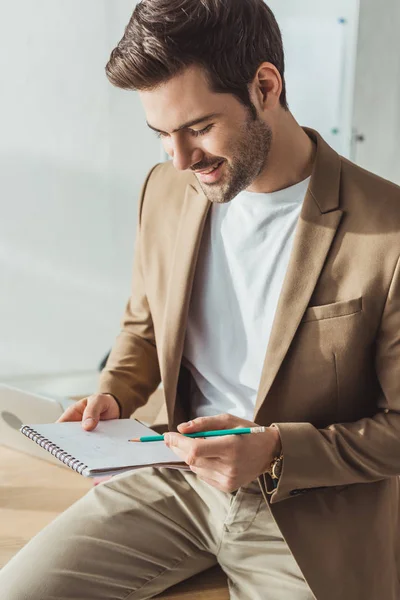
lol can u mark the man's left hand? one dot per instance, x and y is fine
(225, 462)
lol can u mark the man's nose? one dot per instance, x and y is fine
(183, 155)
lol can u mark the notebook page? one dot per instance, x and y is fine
(107, 447)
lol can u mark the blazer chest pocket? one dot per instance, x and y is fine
(332, 311)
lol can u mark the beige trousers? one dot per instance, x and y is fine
(137, 534)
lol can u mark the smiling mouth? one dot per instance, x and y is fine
(211, 169)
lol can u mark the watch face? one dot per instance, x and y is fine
(277, 468)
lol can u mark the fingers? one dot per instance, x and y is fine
(90, 410)
(222, 483)
(73, 412)
(190, 450)
(94, 408)
(223, 421)
(213, 482)
(212, 470)
(214, 460)
(207, 423)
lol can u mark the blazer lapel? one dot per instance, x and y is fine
(317, 226)
(190, 229)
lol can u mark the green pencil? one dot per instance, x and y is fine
(204, 434)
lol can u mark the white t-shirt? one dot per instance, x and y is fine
(242, 263)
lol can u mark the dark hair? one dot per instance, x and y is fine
(228, 38)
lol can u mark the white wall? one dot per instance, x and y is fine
(73, 154)
(366, 95)
(320, 42)
(377, 98)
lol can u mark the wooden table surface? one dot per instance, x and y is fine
(33, 492)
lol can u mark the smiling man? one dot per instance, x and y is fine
(266, 291)
(226, 143)
(227, 148)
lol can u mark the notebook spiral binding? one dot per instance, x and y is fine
(55, 450)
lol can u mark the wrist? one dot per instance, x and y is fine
(275, 467)
(277, 444)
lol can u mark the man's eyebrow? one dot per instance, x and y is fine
(189, 123)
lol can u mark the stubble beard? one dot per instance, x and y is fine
(249, 159)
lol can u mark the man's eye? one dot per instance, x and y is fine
(161, 134)
(201, 131)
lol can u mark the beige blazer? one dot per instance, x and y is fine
(331, 376)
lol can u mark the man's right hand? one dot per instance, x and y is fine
(91, 410)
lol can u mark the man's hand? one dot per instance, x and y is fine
(91, 410)
(225, 462)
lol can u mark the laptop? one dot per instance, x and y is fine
(19, 407)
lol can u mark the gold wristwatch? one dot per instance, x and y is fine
(275, 470)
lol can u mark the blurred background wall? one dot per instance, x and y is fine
(376, 117)
(74, 152)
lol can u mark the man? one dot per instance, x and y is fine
(266, 290)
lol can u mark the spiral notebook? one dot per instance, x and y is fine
(105, 450)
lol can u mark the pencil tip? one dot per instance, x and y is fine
(134, 440)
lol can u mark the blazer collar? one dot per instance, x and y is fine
(317, 226)
(325, 177)
(188, 238)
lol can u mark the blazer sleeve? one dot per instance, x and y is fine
(347, 453)
(132, 371)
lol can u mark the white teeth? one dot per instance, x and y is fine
(211, 170)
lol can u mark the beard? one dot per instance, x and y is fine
(249, 158)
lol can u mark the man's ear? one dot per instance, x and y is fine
(267, 87)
